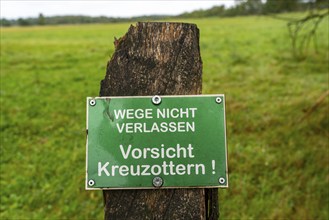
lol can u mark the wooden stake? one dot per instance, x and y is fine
(156, 59)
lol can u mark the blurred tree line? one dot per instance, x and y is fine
(242, 7)
(55, 20)
(259, 7)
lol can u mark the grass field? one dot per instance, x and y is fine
(278, 165)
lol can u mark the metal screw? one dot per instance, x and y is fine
(156, 100)
(91, 182)
(221, 180)
(92, 102)
(157, 181)
(218, 100)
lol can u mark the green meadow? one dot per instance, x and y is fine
(278, 154)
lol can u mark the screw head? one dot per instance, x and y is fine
(221, 180)
(91, 182)
(157, 181)
(156, 100)
(218, 100)
(92, 102)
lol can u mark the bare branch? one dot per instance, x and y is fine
(295, 27)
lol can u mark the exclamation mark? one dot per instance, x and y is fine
(213, 166)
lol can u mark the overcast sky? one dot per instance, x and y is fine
(24, 8)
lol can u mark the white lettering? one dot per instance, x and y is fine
(145, 171)
(103, 168)
(120, 128)
(165, 168)
(119, 114)
(124, 153)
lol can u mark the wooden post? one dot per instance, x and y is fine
(157, 59)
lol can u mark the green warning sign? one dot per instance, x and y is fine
(156, 142)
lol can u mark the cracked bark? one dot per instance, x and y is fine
(155, 59)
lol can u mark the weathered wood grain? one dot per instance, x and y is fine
(156, 59)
